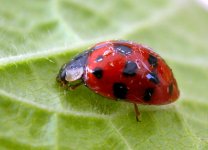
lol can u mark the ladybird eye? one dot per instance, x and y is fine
(62, 75)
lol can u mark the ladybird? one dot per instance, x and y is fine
(122, 70)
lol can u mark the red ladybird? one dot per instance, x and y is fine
(122, 70)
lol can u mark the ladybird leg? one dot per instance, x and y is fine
(73, 87)
(137, 113)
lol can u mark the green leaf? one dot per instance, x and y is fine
(37, 37)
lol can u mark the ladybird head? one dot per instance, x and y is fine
(72, 73)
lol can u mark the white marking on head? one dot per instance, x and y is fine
(74, 74)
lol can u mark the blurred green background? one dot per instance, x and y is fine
(38, 36)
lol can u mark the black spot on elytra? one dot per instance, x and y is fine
(130, 69)
(153, 77)
(120, 90)
(99, 58)
(152, 60)
(170, 88)
(98, 73)
(123, 49)
(148, 94)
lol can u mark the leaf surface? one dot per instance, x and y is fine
(37, 37)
